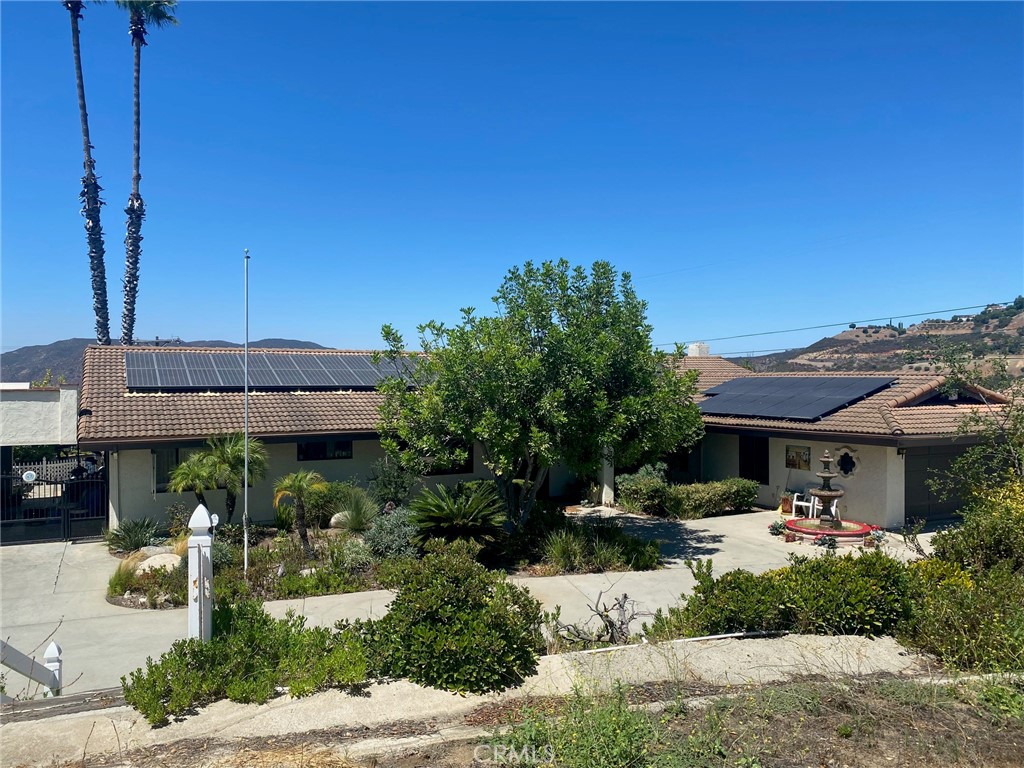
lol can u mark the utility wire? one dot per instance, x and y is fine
(848, 322)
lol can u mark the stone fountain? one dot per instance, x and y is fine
(827, 494)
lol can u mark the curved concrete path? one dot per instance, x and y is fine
(59, 590)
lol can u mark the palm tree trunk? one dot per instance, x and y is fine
(136, 209)
(90, 195)
(229, 504)
(300, 526)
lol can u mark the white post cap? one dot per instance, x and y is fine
(200, 521)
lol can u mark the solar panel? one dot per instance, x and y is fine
(184, 370)
(801, 398)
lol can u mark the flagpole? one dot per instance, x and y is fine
(245, 431)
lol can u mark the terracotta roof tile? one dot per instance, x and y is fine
(112, 414)
(712, 369)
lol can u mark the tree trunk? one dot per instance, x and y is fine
(90, 195)
(201, 498)
(136, 209)
(229, 504)
(300, 526)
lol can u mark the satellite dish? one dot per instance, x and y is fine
(29, 476)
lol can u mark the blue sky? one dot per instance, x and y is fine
(754, 166)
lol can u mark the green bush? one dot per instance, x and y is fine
(250, 655)
(586, 733)
(390, 483)
(322, 502)
(643, 491)
(476, 515)
(849, 595)
(992, 531)
(132, 535)
(392, 534)
(284, 517)
(971, 621)
(453, 624)
(222, 555)
(178, 516)
(700, 500)
(356, 508)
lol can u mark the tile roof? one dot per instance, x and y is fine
(890, 413)
(113, 414)
(713, 370)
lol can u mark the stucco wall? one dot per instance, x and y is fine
(38, 416)
(132, 495)
(874, 491)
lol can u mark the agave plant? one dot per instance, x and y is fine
(476, 516)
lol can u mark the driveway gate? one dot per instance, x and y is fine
(52, 510)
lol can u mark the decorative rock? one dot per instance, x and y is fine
(151, 551)
(338, 520)
(167, 560)
(307, 571)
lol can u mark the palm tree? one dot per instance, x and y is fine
(221, 465)
(141, 13)
(193, 474)
(298, 485)
(227, 464)
(90, 195)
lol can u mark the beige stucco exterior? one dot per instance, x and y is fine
(38, 416)
(133, 491)
(874, 490)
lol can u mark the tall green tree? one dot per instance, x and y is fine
(221, 465)
(90, 194)
(299, 485)
(142, 15)
(563, 371)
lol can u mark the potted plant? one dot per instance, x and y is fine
(875, 538)
(777, 528)
(786, 505)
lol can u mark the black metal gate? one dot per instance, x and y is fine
(52, 510)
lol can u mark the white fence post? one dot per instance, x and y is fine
(200, 574)
(52, 661)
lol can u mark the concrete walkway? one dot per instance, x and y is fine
(59, 590)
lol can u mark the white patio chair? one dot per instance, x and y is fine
(816, 508)
(802, 505)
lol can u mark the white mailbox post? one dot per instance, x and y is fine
(200, 574)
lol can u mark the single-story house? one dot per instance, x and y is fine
(149, 407)
(887, 433)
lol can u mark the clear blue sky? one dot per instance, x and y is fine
(754, 166)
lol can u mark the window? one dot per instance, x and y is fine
(324, 450)
(754, 459)
(165, 461)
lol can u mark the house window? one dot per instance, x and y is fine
(324, 450)
(165, 461)
(846, 463)
(754, 459)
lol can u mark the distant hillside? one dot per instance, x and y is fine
(64, 358)
(999, 330)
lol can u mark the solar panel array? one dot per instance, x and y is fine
(225, 370)
(801, 398)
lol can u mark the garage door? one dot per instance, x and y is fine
(922, 465)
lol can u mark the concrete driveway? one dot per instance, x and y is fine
(59, 590)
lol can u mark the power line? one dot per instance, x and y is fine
(848, 322)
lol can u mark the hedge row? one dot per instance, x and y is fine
(647, 491)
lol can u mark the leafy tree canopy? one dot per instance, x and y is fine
(563, 371)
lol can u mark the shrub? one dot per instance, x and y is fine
(390, 483)
(972, 621)
(356, 509)
(587, 548)
(992, 531)
(222, 555)
(321, 503)
(643, 491)
(250, 654)
(178, 516)
(392, 534)
(453, 624)
(132, 535)
(347, 555)
(284, 517)
(742, 493)
(566, 550)
(476, 515)
(699, 500)
(848, 595)
(587, 733)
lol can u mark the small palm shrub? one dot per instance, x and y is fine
(644, 491)
(476, 515)
(392, 534)
(356, 510)
(453, 624)
(131, 535)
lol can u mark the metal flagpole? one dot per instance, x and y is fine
(245, 431)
